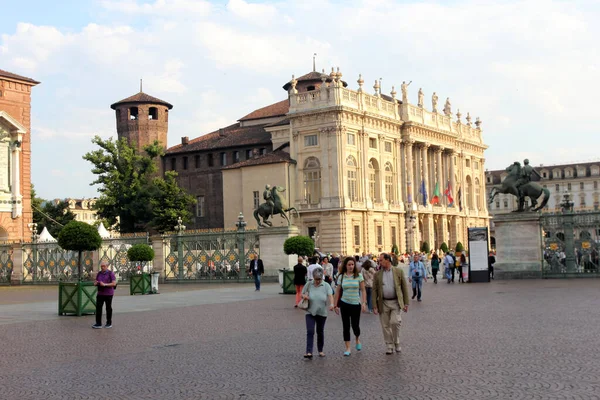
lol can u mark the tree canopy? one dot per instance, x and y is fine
(132, 197)
(140, 252)
(300, 245)
(50, 214)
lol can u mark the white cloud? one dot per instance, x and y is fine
(260, 14)
(158, 7)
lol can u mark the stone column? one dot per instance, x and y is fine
(438, 171)
(300, 177)
(18, 258)
(363, 164)
(398, 181)
(382, 193)
(158, 264)
(408, 149)
(425, 170)
(444, 229)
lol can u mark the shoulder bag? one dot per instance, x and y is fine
(305, 302)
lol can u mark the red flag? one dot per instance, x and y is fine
(448, 194)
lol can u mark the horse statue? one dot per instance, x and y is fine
(533, 190)
(275, 204)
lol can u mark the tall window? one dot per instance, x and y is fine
(223, 159)
(352, 178)
(263, 151)
(248, 154)
(351, 140)
(185, 163)
(356, 235)
(389, 183)
(236, 156)
(388, 147)
(133, 113)
(467, 163)
(557, 187)
(200, 212)
(582, 200)
(374, 180)
(173, 164)
(196, 161)
(373, 143)
(153, 113)
(581, 185)
(568, 186)
(211, 162)
(469, 193)
(379, 235)
(393, 235)
(477, 194)
(311, 140)
(312, 180)
(256, 196)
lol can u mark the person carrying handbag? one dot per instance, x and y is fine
(317, 293)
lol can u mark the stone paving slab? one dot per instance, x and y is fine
(504, 340)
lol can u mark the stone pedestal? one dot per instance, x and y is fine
(518, 245)
(271, 248)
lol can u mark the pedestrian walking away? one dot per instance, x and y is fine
(318, 293)
(368, 272)
(435, 266)
(449, 266)
(350, 301)
(390, 296)
(462, 263)
(256, 269)
(491, 262)
(299, 279)
(106, 282)
(417, 274)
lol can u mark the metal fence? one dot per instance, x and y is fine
(114, 252)
(6, 263)
(49, 263)
(579, 231)
(218, 256)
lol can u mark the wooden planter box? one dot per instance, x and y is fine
(77, 298)
(140, 284)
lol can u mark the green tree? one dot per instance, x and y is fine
(459, 247)
(425, 247)
(132, 197)
(169, 202)
(444, 247)
(140, 252)
(80, 237)
(300, 245)
(50, 214)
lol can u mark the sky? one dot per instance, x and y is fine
(528, 69)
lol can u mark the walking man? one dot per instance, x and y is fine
(256, 269)
(417, 273)
(106, 282)
(491, 262)
(390, 296)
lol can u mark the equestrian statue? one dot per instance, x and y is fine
(274, 204)
(519, 183)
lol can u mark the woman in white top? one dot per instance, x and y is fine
(327, 270)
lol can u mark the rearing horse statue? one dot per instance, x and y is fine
(533, 190)
(275, 205)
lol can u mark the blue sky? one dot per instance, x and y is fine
(528, 69)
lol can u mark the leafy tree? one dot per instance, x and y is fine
(80, 237)
(425, 247)
(140, 252)
(169, 202)
(300, 245)
(459, 247)
(444, 247)
(50, 214)
(132, 197)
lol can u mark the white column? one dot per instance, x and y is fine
(398, 181)
(425, 171)
(16, 180)
(408, 156)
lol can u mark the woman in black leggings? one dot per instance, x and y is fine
(350, 300)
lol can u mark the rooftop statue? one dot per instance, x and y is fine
(519, 184)
(434, 101)
(421, 97)
(448, 107)
(275, 204)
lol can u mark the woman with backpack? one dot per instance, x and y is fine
(460, 263)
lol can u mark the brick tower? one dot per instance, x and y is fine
(142, 119)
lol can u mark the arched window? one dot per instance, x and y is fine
(389, 183)
(153, 113)
(477, 194)
(469, 193)
(352, 178)
(374, 180)
(312, 180)
(133, 113)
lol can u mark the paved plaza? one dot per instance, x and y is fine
(504, 340)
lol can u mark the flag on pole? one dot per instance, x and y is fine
(448, 194)
(436, 194)
(459, 199)
(423, 192)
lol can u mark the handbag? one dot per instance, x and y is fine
(305, 302)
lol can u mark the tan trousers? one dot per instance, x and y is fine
(391, 319)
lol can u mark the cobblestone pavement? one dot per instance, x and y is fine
(504, 340)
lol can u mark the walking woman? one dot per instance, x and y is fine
(318, 294)
(350, 301)
(368, 272)
(299, 279)
(435, 266)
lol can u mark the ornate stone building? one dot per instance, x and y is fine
(15, 156)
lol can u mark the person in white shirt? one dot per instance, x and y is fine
(328, 270)
(313, 265)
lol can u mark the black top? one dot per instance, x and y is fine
(300, 272)
(491, 261)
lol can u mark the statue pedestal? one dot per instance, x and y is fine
(518, 245)
(271, 248)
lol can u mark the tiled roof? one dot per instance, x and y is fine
(281, 122)
(10, 75)
(231, 136)
(311, 76)
(141, 97)
(275, 157)
(274, 110)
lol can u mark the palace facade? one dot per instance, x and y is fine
(15, 156)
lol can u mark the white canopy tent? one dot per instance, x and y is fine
(45, 236)
(104, 234)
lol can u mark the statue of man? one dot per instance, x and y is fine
(434, 101)
(268, 196)
(421, 97)
(525, 175)
(448, 107)
(404, 88)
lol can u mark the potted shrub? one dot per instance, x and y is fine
(425, 248)
(395, 249)
(78, 297)
(302, 246)
(139, 281)
(444, 248)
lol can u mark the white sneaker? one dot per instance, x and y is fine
(398, 349)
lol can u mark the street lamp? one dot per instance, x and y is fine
(568, 223)
(241, 224)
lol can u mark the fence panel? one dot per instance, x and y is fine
(210, 255)
(114, 252)
(49, 263)
(6, 263)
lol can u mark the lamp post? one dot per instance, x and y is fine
(568, 223)
(241, 236)
(180, 228)
(34, 238)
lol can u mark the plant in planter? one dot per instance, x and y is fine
(139, 282)
(78, 297)
(425, 247)
(302, 246)
(444, 248)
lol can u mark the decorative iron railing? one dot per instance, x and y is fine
(48, 262)
(114, 252)
(6, 263)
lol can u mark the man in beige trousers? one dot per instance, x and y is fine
(391, 297)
